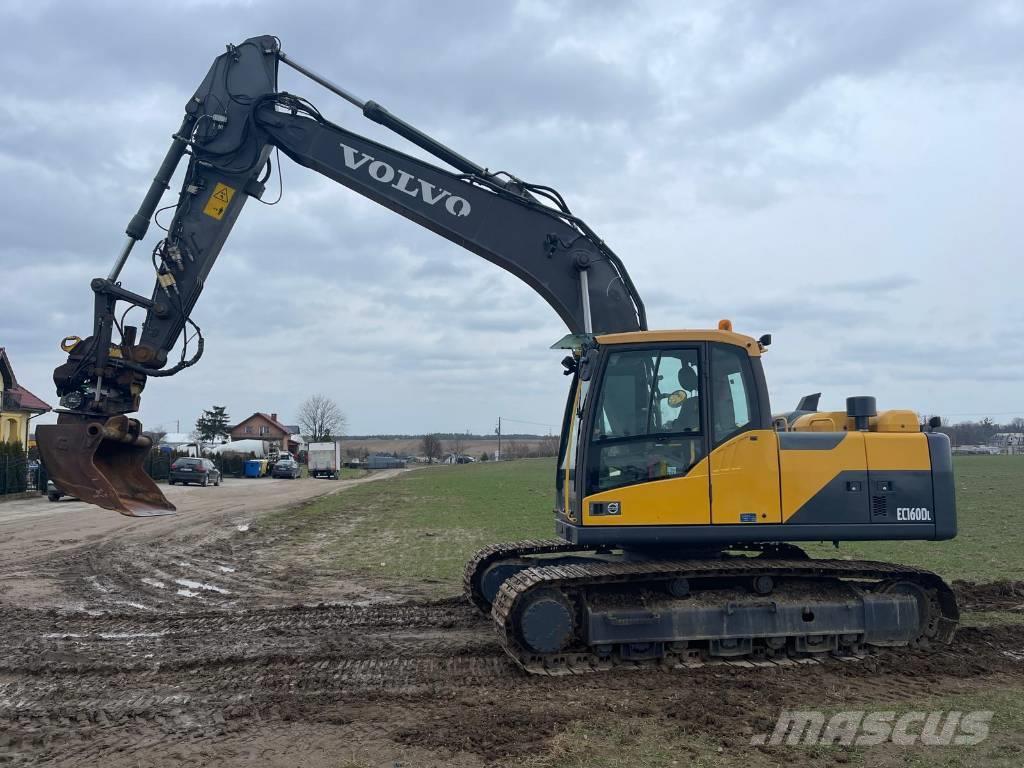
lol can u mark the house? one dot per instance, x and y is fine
(1009, 442)
(17, 405)
(179, 442)
(261, 426)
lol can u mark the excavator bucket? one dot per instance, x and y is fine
(101, 463)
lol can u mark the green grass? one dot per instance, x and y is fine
(664, 743)
(423, 525)
(990, 514)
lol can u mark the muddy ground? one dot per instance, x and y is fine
(196, 645)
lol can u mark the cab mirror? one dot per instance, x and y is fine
(588, 364)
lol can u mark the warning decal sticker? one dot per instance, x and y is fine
(218, 202)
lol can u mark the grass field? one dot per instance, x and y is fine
(423, 525)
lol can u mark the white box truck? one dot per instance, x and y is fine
(324, 459)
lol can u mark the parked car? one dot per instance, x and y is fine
(199, 471)
(286, 468)
(53, 493)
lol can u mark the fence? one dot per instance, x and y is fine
(19, 475)
(158, 464)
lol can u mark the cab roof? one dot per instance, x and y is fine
(645, 337)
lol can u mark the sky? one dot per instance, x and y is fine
(844, 176)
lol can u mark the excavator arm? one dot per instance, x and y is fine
(231, 128)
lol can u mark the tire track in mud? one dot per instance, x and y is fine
(427, 675)
(310, 650)
(41, 645)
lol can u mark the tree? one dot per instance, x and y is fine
(320, 419)
(431, 447)
(457, 445)
(548, 446)
(485, 456)
(212, 424)
(156, 435)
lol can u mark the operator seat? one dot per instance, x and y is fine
(688, 419)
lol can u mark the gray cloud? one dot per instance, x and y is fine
(842, 175)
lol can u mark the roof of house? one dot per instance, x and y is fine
(26, 400)
(6, 371)
(274, 422)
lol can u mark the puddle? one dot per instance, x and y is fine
(189, 584)
(243, 527)
(153, 582)
(188, 593)
(131, 604)
(225, 569)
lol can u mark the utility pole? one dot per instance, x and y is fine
(498, 430)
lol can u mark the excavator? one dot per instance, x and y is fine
(679, 499)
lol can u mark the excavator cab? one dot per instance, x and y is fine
(647, 422)
(101, 463)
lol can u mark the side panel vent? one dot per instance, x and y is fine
(879, 506)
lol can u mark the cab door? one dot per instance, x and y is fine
(646, 439)
(744, 457)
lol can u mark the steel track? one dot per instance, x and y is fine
(939, 626)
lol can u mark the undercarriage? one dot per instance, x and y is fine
(559, 609)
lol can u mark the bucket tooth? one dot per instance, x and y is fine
(101, 463)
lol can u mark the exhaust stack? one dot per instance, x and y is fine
(101, 463)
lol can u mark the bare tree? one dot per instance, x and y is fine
(514, 449)
(548, 446)
(156, 435)
(457, 445)
(431, 447)
(320, 419)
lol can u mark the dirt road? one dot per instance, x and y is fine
(29, 526)
(57, 553)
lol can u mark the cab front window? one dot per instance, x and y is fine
(648, 422)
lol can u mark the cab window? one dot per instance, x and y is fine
(647, 424)
(732, 404)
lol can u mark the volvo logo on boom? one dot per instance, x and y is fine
(405, 182)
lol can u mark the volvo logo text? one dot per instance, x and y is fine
(405, 182)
